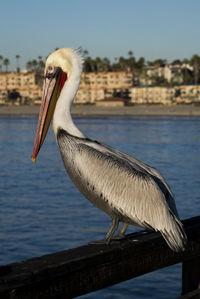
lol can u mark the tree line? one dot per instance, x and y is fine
(129, 63)
(138, 67)
(36, 65)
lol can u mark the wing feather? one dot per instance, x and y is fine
(133, 191)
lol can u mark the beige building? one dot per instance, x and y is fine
(97, 86)
(107, 80)
(165, 95)
(93, 87)
(141, 95)
(24, 83)
(189, 93)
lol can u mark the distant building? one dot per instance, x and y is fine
(144, 95)
(23, 83)
(97, 86)
(168, 72)
(165, 95)
(105, 88)
(189, 93)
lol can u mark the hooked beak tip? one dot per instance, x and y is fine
(33, 159)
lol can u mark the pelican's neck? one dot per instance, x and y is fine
(62, 114)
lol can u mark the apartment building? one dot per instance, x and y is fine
(165, 95)
(189, 93)
(93, 87)
(23, 83)
(97, 86)
(143, 95)
(171, 73)
(85, 95)
(108, 79)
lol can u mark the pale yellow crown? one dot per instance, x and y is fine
(62, 59)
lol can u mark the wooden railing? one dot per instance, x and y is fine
(91, 267)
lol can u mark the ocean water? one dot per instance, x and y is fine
(42, 212)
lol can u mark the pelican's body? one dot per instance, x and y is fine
(123, 187)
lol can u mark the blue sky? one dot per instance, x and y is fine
(150, 28)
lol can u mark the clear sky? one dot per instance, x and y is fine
(167, 29)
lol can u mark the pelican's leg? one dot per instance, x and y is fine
(113, 228)
(122, 230)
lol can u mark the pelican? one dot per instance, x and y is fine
(128, 190)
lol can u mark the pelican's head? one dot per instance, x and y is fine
(58, 69)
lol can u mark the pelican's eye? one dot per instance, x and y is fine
(50, 68)
(51, 72)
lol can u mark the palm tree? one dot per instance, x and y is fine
(106, 64)
(88, 65)
(29, 65)
(130, 53)
(41, 65)
(195, 62)
(141, 63)
(186, 77)
(1, 58)
(131, 61)
(6, 62)
(98, 64)
(122, 63)
(17, 59)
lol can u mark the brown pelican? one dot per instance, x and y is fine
(128, 190)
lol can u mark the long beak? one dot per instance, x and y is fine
(50, 94)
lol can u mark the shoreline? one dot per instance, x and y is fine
(137, 110)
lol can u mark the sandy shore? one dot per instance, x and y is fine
(176, 110)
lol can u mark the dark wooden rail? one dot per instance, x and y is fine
(75, 272)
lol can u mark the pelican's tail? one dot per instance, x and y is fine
(175, 237)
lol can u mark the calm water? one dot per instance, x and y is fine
(42, 212)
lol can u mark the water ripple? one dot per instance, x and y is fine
(42, 212)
